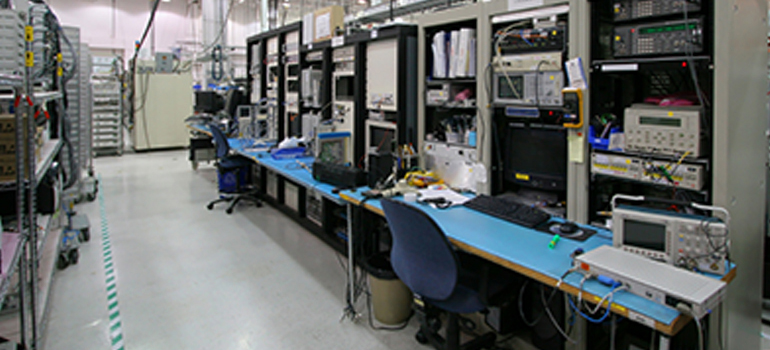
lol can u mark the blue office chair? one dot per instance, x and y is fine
(228, 163)
(426, 262)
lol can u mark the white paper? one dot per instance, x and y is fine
(523, 4)
(454, 41)
(617, 141)
(307, 28)
(472, 54)
(463, 52)
(576, 148)
(449, 195)
(338, 41)
(322, 28)
(480, 173)
(439, 55)
(641, 319)
(576, 74)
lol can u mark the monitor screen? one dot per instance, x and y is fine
(344, 88)
(332, 151)
(382, 140)
(293, 70)
(244, 111)
(536, 156)
(293, 86)
(208, 102)
(510, 89)
(644, 235)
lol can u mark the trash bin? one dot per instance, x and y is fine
(391, 299)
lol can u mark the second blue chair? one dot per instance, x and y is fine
(228, 163)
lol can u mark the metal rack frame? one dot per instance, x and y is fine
(107, 118)
(26, 257)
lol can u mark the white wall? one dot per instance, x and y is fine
(104, 26)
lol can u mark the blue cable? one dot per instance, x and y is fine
(589, 318)
(521, 34)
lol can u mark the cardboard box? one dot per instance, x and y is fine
(8, 126)
(7, 146)
(8, 134)
(8, 167)
(326, 21)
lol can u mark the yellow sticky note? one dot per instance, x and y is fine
(577, 145)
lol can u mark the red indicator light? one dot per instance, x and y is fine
(684, 64)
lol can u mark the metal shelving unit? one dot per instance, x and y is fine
(107, 107)
(21, 260)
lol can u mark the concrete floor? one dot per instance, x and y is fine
(189, 278)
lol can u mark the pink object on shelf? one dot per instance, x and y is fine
(676, 102)
(463, 95)
(680, 99)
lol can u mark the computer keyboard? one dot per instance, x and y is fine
(507, 210)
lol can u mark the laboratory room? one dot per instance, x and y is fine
(384, 174)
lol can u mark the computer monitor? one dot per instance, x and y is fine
(332, 147)
(536, 156)
(208, 102)
(233, 99)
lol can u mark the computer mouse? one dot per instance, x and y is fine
(568, 228)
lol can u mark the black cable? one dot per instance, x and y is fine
(537, 83)
(496, 137)
(150, 21)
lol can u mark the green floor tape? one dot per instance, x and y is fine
(111, 280)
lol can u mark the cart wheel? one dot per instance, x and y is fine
(210, 207)
(86, 235)
(195, 165)
(62, 262)
(421, 338)
(229, 211)
(258, 204)
(74, 256)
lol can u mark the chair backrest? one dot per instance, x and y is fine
(422, 256)
(220, 140)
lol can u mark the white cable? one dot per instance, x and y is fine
(609, 296)
(686, 310)
(626, 197)
(553, 319)
(713, 208)
(499, 57)
(580, 292)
